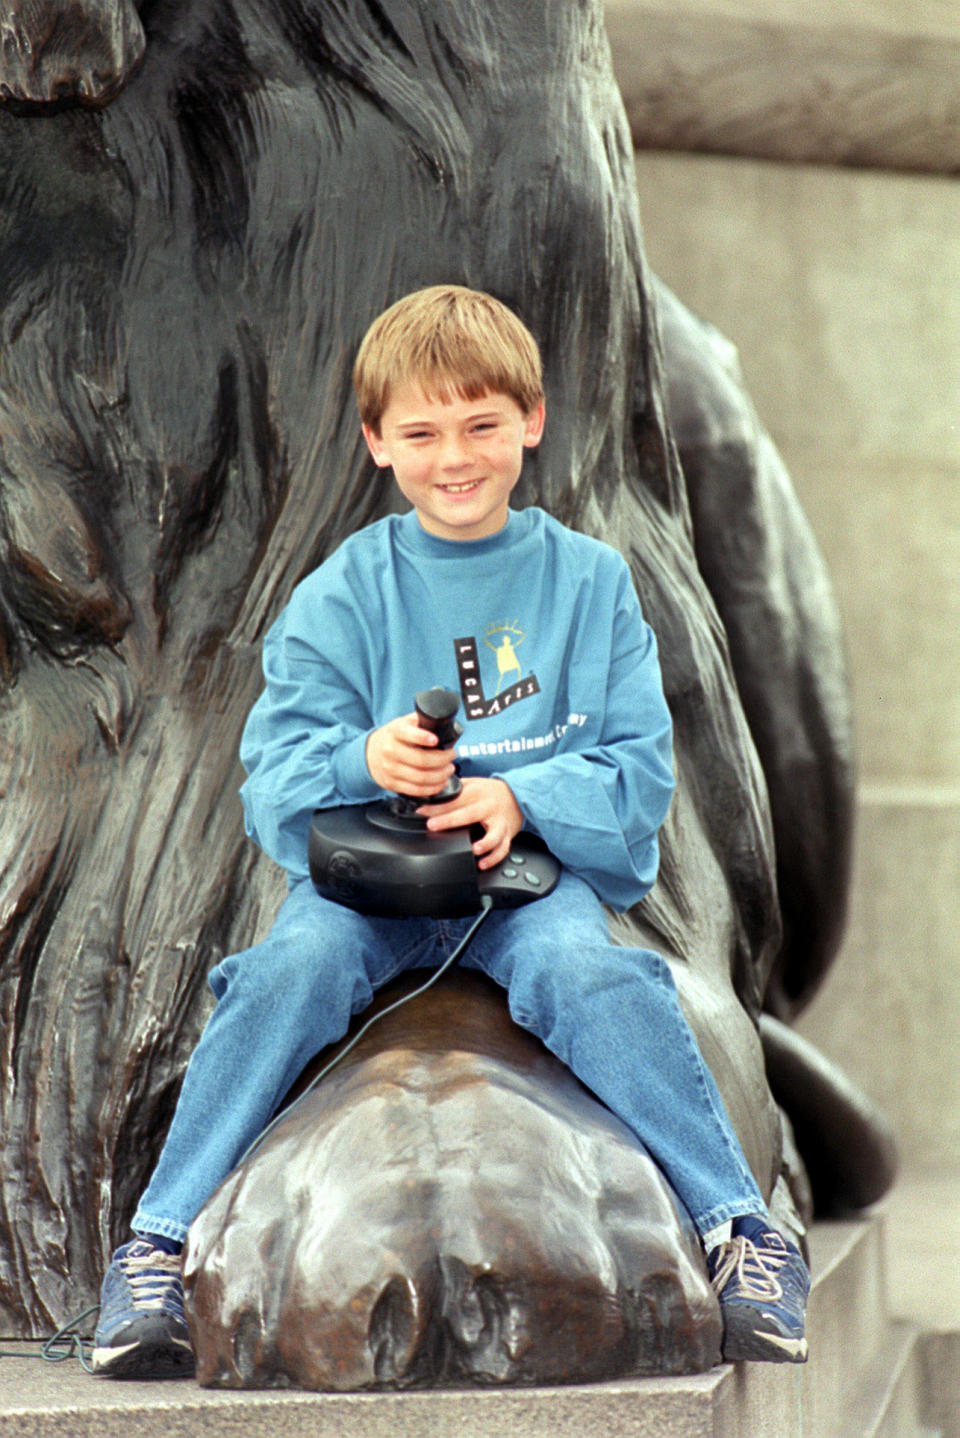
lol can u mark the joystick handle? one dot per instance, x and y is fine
(435, 711)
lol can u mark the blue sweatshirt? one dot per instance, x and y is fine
(538, 628)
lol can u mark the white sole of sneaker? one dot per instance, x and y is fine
(169, 1358)
(758, 1347)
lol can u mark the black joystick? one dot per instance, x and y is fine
(380, 859)
(436, 709)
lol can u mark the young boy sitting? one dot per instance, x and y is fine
(573, 743)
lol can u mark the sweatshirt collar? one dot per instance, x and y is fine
(420, 541)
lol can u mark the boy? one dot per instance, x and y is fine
(573, 743)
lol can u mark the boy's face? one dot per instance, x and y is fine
(457, 461)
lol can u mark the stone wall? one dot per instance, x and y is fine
(868, 82)
(841, 288)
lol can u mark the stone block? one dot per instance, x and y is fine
(841, 289)
(889, 1012)
(867, 82)
(890, 533)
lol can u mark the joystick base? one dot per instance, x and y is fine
(380, 863)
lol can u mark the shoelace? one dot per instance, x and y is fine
(755, 1271)
(151, 1275)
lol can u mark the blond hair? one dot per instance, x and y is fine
(449, 340)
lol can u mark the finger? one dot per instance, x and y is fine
(427, 762)
(451, 815)
(488, 859)
(441, 811)
(422, 738)
(418, 772)
(406, 732)
(490, 840)
(414, 733)
(421, 757)
(419, 785)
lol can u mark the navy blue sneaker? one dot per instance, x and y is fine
(762, 1284)
(142, 1331)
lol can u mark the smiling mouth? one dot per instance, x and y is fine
(463, 488)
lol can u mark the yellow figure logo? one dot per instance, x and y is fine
(506, 650)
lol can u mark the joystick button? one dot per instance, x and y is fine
(517, 859)
(532, 879)
(508, 872)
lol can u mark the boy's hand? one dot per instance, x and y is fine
(489, 802)
(405, 759)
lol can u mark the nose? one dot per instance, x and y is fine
(454, 452)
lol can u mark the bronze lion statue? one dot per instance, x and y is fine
(201, 209)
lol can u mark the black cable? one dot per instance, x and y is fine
(66, 1342)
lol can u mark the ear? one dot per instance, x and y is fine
(533, 426)
(376, 446)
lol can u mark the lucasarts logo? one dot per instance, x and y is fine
(505, 641)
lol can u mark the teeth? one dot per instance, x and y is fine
(459, 488)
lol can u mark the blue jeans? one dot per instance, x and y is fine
(610, 1014)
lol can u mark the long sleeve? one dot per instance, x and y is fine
(599, 807)
(304, 743)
